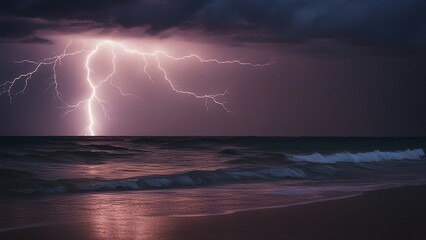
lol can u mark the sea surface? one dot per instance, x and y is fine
(111, 180)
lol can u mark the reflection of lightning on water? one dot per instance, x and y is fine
(19, 84)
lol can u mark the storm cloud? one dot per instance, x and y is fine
(384, 24)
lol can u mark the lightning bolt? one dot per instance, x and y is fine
(20, 84)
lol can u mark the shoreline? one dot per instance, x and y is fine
(393, 213)
(269, 207)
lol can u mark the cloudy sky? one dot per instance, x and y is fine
(340, 67)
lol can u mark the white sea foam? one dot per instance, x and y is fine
(375, 156)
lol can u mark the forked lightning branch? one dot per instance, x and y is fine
(20, 84)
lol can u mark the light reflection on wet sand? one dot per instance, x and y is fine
(91, 216)
(111, 218)
(135, 214)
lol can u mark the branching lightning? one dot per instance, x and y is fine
(20, 84)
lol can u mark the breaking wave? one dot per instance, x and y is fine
(320, 166)
(25, 183)
(375, 156)
(202, 178)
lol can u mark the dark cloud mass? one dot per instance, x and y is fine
(384, 24)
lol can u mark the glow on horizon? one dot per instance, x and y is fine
(89, 103)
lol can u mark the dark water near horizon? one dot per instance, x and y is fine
(130, 177)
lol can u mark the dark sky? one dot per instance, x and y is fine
(341, 67)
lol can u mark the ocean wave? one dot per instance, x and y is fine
(15, 181)
(270, 159)
(364, 157)
(26, 183)
(229, 151)
(106, 147)
(92, 156)
(175, 142)
(200, 178)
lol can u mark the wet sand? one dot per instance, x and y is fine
(398, 213)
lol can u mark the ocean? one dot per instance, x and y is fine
(111, 181)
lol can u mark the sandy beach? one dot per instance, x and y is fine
(398, 213)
